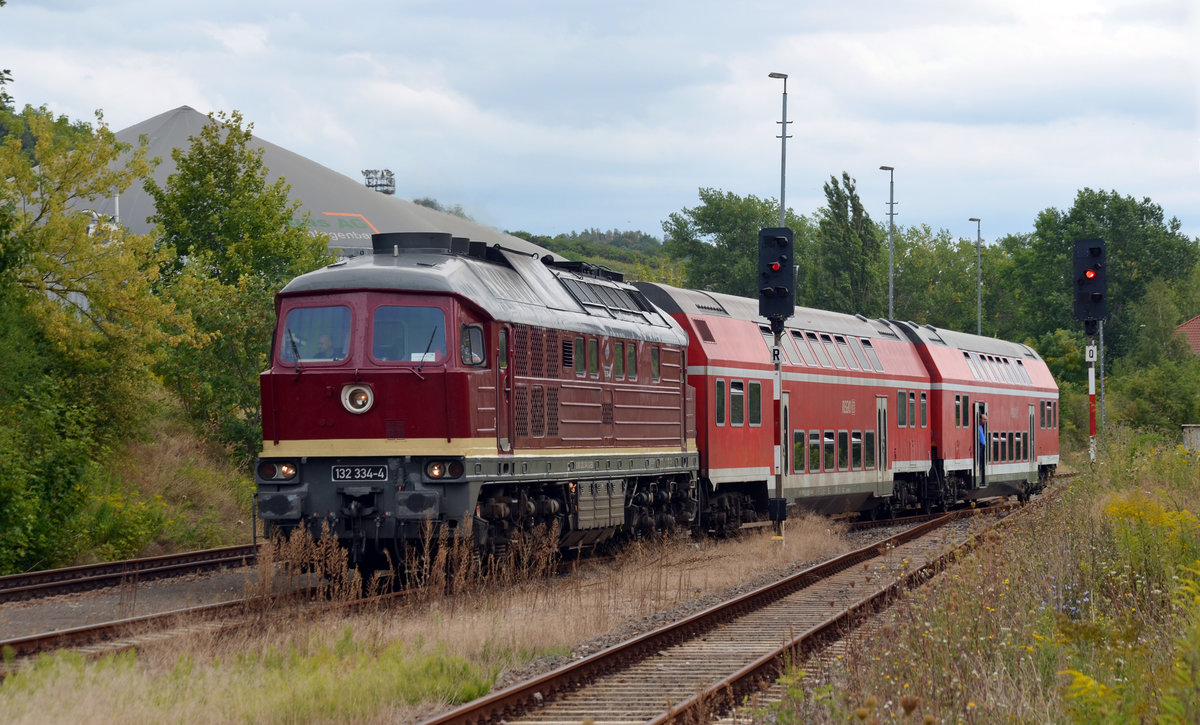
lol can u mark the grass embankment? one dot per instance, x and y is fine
(403, 664)
(1086, 611)
(164, 492)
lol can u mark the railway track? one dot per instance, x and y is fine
(702, 665)
(32, 585)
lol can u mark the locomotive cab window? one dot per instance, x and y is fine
(471, 345)
(654, 369)
(619, 360)
(408, 334)
(580, 361)
(593, 357)
(315, 334)
(631, 361)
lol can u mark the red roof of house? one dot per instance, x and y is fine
(1191, 330)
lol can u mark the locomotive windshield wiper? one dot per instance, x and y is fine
(428, 347)
(295, 348)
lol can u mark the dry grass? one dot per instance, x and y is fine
(406, 663)
(1085, 610)
(194, 496)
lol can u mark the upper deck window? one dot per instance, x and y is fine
(408, 334)
(819, 350)
(844, 347)
(971, 363)
(769, 338)
(833, 352)
(802, 347)
(1024, 375)
(870, 350)
(316, 334)
(858, 353)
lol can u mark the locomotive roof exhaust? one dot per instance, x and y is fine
(394, 243)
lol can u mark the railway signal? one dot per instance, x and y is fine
(776, 274)
(1091, 283)
(1091, 308)
(777, 302)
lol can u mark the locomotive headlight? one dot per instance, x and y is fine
(444, 469)
(357, 398)
(276, 470)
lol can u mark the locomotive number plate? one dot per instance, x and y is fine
(360, 473)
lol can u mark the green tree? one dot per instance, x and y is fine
(81, 328)
(934, 278)
(1141, 245)
(235, 245)
(219, 206)
(845, 271)
(5, 79)
(716, 243)
(1156, 316)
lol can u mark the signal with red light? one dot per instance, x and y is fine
(1090, 283)
(776, 276)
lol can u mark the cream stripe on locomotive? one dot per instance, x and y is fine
(467, 447)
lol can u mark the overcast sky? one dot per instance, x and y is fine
(552, 116)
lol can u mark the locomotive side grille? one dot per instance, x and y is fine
(606, 413)
(552, 368)
(537, 353)
(537, 412)
(521, 349)
(552, 412)
(568, 355)
(521, 409)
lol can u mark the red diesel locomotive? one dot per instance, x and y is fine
(442, 381)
